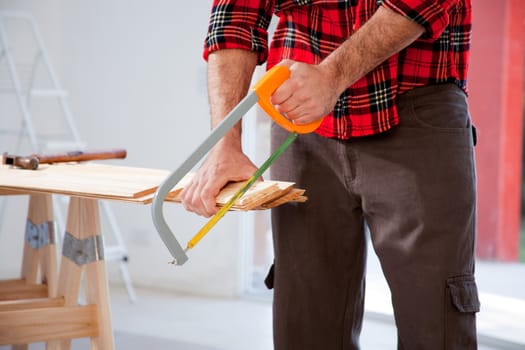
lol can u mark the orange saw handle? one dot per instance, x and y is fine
(264, 89)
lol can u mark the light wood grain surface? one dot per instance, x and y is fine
(133, 184)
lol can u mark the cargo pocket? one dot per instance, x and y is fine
(461, 306)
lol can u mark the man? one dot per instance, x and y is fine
(395, 150)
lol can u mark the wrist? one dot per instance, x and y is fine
(335, 75)
(230, 143)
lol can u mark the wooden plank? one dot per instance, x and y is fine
(27, 304)
(86, 179)
(23, 291)
(257, 193)
(145, 199)
(260, 193)
(295, 195)
(10, 192)
(131, 184)
(12, 282)
(35, 325)
(134, 185)
(267, 189)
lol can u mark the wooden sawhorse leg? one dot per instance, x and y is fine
(58, 318)
(83, 250)
(39, 263)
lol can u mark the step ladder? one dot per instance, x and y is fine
(27, 75)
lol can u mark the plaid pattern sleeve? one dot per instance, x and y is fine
(431, 14)
(309, 30)
(239, 25)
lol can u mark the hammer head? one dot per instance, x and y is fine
(30, 162)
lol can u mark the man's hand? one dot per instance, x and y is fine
(308, 95)
(225, 163)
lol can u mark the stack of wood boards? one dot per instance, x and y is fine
(262, 194)
(92, 180)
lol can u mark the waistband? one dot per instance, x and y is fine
(431, 91)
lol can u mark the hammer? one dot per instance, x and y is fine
(31, 162)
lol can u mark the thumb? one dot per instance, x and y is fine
(287, 63)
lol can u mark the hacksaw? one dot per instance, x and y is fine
(260, 94)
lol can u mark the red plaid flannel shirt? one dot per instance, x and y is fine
(309, 30)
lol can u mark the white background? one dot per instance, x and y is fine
(136, 80)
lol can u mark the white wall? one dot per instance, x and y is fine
(136, 80)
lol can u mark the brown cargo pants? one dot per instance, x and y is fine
(415, 188)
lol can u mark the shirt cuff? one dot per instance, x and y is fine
(431, 14)
(233, 37)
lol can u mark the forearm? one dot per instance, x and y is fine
(229, 76)
(385, 34)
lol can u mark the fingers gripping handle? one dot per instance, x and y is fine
(264, 89)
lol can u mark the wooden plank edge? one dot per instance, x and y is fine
(27, 304)
(53, 323)
(295, 195)
(23, 291)
(145, 199)
(12, 282)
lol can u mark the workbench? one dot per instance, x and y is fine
(42, 305)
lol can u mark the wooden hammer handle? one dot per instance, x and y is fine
(79, 156)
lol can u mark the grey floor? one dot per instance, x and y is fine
(162, 320)
(131, 341)
(224, 324)
(166, 320)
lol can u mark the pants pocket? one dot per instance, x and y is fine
(437, 108)
(461, 305)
